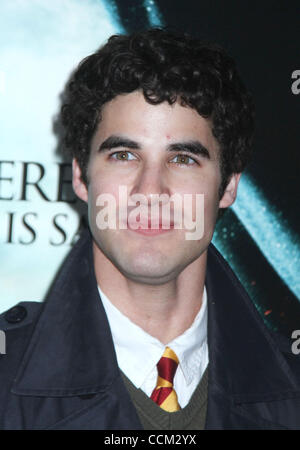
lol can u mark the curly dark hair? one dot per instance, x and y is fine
(165, 66)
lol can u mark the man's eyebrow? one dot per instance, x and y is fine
(115, 141)
(192, 146)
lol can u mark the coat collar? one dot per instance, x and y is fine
(71, 350)
(245, 361)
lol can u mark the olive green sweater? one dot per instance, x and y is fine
(152, 417)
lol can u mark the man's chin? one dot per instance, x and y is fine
(148, 277)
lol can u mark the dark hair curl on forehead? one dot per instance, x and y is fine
(165, 67)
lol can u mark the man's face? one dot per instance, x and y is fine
(147, 149)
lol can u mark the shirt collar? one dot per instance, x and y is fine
(189, 346)
(138, 352)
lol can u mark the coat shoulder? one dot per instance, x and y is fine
(19, 316)
(16, 327)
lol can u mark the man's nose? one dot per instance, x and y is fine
(152, 182)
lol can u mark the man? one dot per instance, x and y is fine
(144, 327)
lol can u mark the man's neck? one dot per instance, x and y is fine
(164, 311)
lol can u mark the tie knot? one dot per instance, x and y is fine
(167, 366)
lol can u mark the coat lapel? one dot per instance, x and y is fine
(246, 366)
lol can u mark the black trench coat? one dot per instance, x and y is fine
(60, 369)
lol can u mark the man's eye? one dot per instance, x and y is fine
(121, 156)
(184, 159)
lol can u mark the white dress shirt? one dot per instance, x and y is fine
(138, 352)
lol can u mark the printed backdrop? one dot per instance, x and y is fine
(40, 44)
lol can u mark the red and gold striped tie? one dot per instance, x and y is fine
(164, 394)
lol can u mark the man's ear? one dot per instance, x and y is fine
(79, 186)
(230, 192)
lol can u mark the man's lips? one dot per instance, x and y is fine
(152, 225)
(146, 221)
